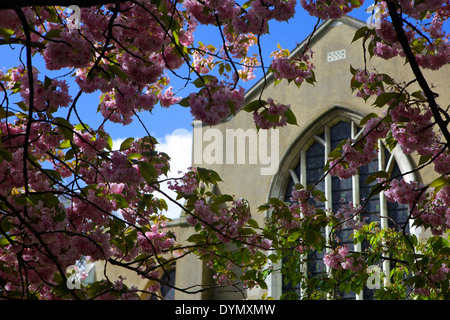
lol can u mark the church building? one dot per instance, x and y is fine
(261, 165)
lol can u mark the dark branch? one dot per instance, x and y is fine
(65, 3)
(429, 94)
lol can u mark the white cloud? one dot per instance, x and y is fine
(178, 145)
(117, 142)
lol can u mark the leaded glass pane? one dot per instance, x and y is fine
(339, 132)
(315, 159)
(288, 193)
(342, 192)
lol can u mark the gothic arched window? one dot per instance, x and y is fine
(306, 166)
(166, 289)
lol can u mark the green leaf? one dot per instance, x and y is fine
(54, 33)
(367, 118)
(247, 231)
(264, 207)
(69, 155)
(148, 171)
(254, 105)
(374, 176)
(390, 142)
(47, 82)
(6, 225)
(425, 159)
(4, 114)
(48, 199)
(247, 4)
(22, 106)
(109, 141)
(290, 117)
(262, 284)
(126, 144)
(65, 144)
(232, 106)
(223, 198)
(65, 128)
(176, 38)
(184, 102)
(53, 15)
(335, 154)
(117, 71)
(53, 174)
(294, 236)
(120, 200)
(361, 32)
(5, 155)
(81, 127)
(376, 189)
(326, 167)
(271, 236)
(207, 175)
(384, 98)
(319, 194)
(356, 3)
(196, 238)
(6, 33)
(445, 251)
(439, 183)
(252, 223)
(310, 80)
(201, 81)
(312, 236)
(134, 155)
(3, 241)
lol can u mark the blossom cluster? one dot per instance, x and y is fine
(348, 216)
(354, 155)
(66, 193)
(326, 9)
(62, 54)
(426, 27)
(187, 184)
(227, 222)
(433, 210)
(412, 128)
(301, 201)
(437, 274)
(156, 240)
(216, 101)
(48, 95)
(296, 69)
(366, 80)
(404, 192)
(272, 116)
(255, 19)
(340, 258)
(203, 60)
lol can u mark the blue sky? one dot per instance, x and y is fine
(163, 121)
(172, 127)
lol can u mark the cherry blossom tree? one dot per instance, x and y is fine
(66, 193)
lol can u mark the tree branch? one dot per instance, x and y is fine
(65, 3)
(429, 94)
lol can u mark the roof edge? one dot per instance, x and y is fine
(311, 39)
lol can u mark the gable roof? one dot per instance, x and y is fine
(324, 28)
